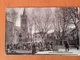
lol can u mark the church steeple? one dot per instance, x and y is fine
(24, 11)
(24, 27)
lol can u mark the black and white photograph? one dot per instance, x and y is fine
(42, 31)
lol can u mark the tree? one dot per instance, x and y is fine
(30, 27)
(64, 17)
(42, 21)
(74, 16)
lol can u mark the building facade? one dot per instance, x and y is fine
(79, 30)
(37, 38)
(24, 28)
(9, 32)
(17, 31)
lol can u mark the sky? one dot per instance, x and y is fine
(28, 11)
(20, 11)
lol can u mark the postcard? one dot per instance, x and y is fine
(39, 29)
(42, 31)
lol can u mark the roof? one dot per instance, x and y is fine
(24, 11)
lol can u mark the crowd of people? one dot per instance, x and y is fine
(47, 46)
(32, 46)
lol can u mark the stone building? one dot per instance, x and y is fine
(17, 31)
(9, 32)
(79, 30)
(72, 37)
(24, 27)
(79, 24)
(37, 38)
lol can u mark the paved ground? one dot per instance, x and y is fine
(72, 51)
(60, 52)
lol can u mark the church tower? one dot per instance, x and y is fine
(24, 29)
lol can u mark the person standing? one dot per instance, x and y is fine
(77, 47)
(33, 49)
(66, 46)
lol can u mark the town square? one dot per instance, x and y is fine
(42, 31)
